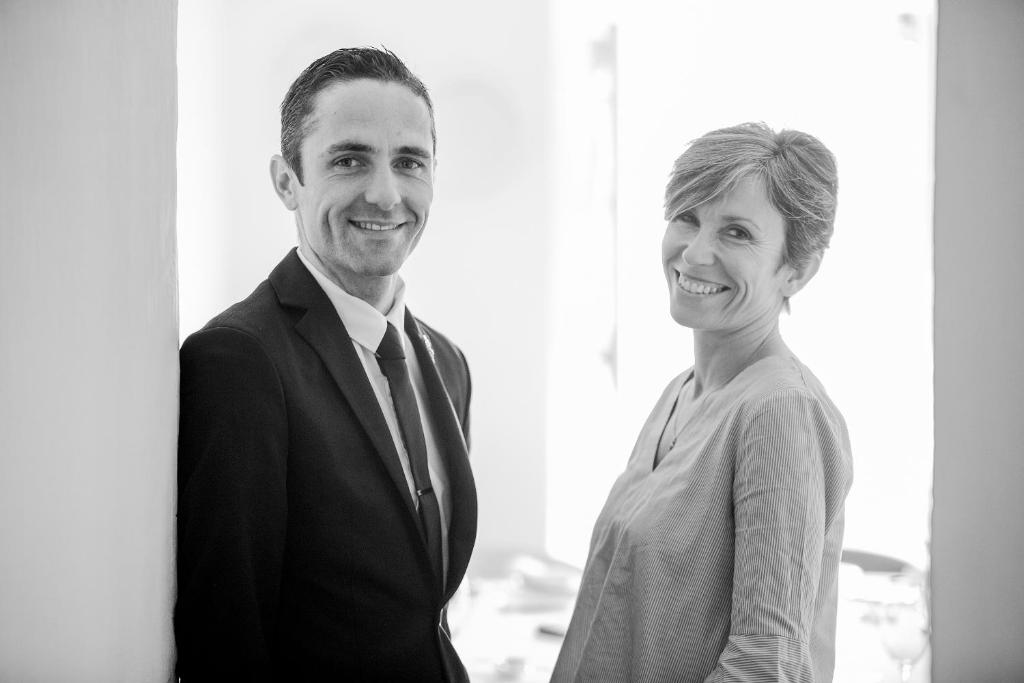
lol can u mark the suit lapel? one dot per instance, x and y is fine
(452, 444)
(323, 330)
(321, 327)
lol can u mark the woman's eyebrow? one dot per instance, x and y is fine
(730, 218)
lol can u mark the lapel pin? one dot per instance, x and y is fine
(430, 347)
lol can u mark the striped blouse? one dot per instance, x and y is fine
(720, 563)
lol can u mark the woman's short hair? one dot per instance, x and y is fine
(798, 171)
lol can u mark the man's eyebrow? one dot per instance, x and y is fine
(363, 148)
(414, 151)
(348, 146)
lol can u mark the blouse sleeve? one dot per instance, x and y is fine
(780, 512)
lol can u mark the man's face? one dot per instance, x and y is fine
(368, 172)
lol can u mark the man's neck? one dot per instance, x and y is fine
(376, 290)
(379, 292)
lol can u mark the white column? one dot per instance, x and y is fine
(977, 538)
(88, 348)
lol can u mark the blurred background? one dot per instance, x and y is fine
(558, 121)
(135, 203)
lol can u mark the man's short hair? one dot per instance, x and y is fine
(798, 172)
(346, 64)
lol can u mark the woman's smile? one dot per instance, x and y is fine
(698, 287)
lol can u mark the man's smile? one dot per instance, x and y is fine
(374, 226)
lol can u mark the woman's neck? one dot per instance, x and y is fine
(720, 356)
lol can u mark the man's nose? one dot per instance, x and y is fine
(700, 251)
(382, 190)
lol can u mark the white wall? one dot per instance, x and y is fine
(88, 352)
(480, 272)
(977, 534)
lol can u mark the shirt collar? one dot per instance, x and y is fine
(364, 323)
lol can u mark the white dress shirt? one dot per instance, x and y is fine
(366, 327)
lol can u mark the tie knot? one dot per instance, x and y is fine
(390, 347)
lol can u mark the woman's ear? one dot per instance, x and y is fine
(285, 182)
(796, 278)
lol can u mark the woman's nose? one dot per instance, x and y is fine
(699, 251)
(382, 190)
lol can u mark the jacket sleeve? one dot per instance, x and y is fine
(232, 507)
(780, 512)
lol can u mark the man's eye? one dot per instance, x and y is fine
(409, 164)
(346, 162)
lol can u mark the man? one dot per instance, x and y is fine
(326, 506)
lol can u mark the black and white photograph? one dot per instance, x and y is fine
(557, 341)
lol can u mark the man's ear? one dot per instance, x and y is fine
(796, 278)
(285, 182)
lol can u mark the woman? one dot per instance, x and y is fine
(715, 557)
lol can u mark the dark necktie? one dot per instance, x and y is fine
(391, 359)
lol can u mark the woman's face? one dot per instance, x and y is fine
(724, 262)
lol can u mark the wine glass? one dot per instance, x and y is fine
(903, 623)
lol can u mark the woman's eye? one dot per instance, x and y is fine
(686, 217)
(737, 232)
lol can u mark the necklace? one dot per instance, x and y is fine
(677, 421)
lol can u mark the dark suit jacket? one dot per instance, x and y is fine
(300, 556)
